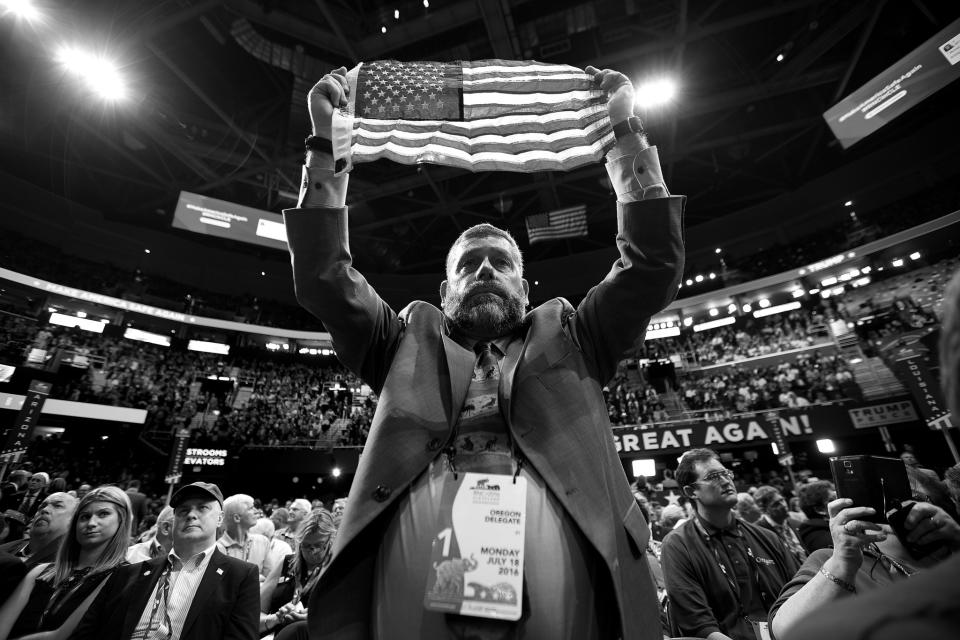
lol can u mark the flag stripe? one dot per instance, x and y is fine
(505, 125)
(480, 115)
(515, 143)
(527, 162)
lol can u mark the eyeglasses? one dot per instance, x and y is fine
(716, 477)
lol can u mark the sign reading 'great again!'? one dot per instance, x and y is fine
(751, 429)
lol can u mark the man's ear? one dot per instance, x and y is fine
(526, 289)
(443, 292)
(688, 491)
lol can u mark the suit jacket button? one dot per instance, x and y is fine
(434, 444)
(381, 493)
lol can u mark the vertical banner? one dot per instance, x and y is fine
(912, 368)
(18, 436)
(177, 454)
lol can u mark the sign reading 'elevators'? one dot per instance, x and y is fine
(921, 73)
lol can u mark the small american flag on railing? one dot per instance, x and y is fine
(485, 115)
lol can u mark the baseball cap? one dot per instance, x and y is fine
(205, 490)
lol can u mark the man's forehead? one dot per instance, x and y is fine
(58, 499)
(706, 466)
(196, 502)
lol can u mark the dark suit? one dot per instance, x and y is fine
(12, 571)
(550, 398)
(138, 503)
(815, 534)
(226, 605)
(46, 553)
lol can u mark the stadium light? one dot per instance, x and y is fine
(713, 276)
(798, 293)
(764, 303)
(699, 278)
(667, 332)
(731, 307)
(63, 320)
(747, 308)
(713, 311)
(100, 74)
(848, 203)
(898, 262)
(779, 57)
(713, 324)
(336, 472)
(826, 446)
(689, 282)
(20, 8)
(205, 346)
(644, 467)
(717, 250)
(146, 336)
(915, 255)
(687, 322)
(776, 449)
(655, 93)
(780, 308)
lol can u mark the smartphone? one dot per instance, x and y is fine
(872, 481)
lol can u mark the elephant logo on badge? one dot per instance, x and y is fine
(450, 575)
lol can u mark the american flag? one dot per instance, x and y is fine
(485, 115)
(555, 225)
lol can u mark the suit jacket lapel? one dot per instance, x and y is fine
(460, 364)
(507, 373)
(208, 584)
(141, 588)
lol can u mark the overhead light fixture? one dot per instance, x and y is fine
(689, 282)
(655, 93)
(383, 29)
(731, 307)
(828, 282)
(779, 57)
(20, 8)
(713, 275)
(687, 322)
(797, 293)
(713, 311)
(146, 250)
(867, 269)
(848, 203)
(699, 278)
(915, 255)
(897, 262)
(717, 250)
(747, 308)
(396, 14)
(336, 472)
(97, 72)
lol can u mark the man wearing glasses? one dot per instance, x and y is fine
(722, 574)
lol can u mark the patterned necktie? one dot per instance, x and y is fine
(487, 366)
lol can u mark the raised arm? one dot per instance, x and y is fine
(649, 239)
(364, 328)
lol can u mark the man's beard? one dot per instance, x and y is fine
(490, 314)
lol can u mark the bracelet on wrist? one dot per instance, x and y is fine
(838, 581)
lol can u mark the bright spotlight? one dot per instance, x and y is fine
(779, 57)
(713, 311)
(655, 93)
(826, 446)
(20, 8)
(336, 472)
(100, 75)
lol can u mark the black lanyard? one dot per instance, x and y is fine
(728, 574)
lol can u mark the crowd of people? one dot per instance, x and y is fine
(96, 561)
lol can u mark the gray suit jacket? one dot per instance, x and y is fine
(550, 395)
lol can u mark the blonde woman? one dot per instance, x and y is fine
(289, 584)
(49, 602)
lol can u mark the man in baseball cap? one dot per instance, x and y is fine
(206, 490)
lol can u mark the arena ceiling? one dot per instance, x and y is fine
(218, 89)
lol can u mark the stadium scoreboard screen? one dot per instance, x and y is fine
(921, 73)
(229, 220)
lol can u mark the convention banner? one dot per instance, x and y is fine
(879, 415)
(807, 423)
(18, 436)
(177, 454)
(912, 368)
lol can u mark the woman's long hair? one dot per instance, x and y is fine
(317, 521)
(116, 548)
